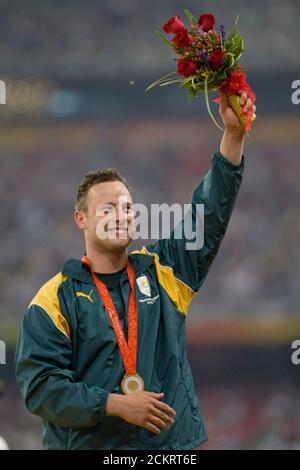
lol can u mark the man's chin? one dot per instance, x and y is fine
(115, 244)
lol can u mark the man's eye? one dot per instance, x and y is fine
(107, 211)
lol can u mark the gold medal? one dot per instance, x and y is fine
(132, 383)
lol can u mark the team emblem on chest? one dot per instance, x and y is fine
(143, 285)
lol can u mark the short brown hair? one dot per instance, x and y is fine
(102, 175)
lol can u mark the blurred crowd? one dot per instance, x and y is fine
(90, 36)
(255, 418)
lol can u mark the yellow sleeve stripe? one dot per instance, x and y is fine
(47, 299)
(179, 292)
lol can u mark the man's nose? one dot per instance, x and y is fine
(121, 215)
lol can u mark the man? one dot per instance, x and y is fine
(101, 353)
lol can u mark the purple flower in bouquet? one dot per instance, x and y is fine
(223, 34)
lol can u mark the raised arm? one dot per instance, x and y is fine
(187, 268)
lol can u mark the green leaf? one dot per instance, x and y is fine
(191, 94)
(171, 81)
(234, 27)
(220, 77)
(228, 60)
(157, 82)
(190, 79)
(235, 24)
(164, 39)
(233, 32)
(190, 16)
(234, 42)
(235, 45)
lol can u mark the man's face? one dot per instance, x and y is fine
(109, 218)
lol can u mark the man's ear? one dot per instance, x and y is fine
(80, 218)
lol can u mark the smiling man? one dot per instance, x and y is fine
(101, 353)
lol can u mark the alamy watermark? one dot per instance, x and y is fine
(2, 92)
(135, 221)
(2, 352)
(295, 357)
(295, 97)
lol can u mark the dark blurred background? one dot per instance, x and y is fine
(75, 74)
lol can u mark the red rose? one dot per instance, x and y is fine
(215, 59)
(186, 67)
(174, 25)
(183, 39)
(206, 21)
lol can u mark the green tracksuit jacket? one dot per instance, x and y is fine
(67, 357)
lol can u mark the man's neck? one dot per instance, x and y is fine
(106, 262)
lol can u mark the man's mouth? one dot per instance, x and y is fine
(117, 229)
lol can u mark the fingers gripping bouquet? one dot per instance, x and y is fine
(208, 61)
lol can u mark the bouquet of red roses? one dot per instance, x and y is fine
(208, 61)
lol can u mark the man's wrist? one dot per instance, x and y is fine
(232, 145)
(237, 133)
(114, 404)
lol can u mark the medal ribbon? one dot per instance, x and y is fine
(128, 351)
